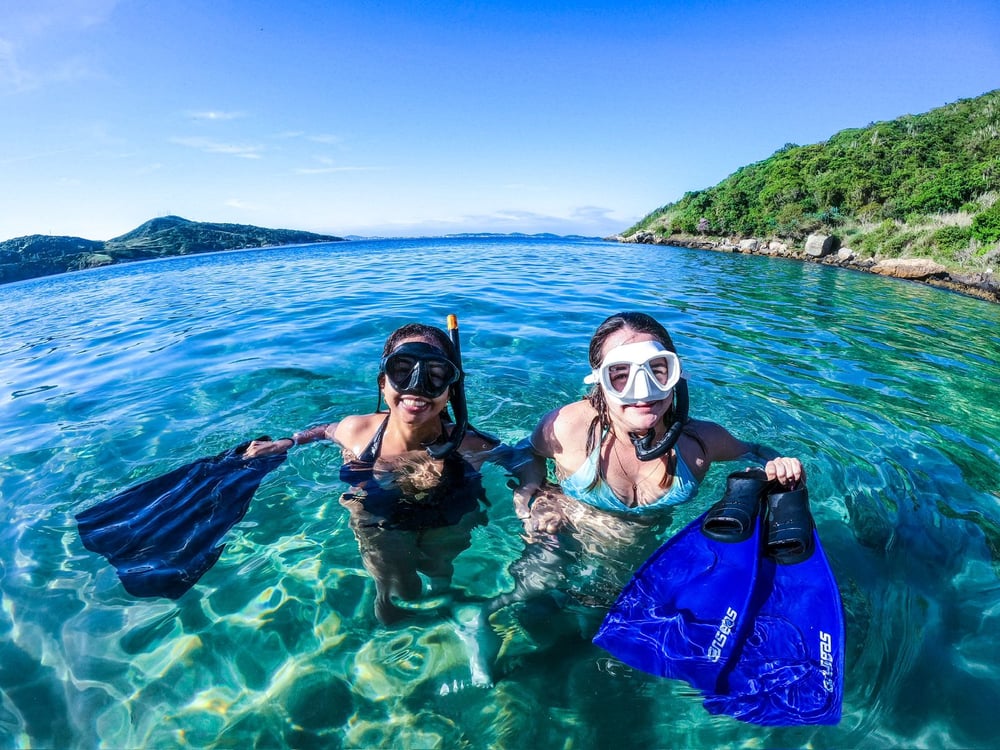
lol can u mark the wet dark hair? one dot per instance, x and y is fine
(418, 330)
(633, 321)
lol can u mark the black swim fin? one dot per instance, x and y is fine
(163, 534)
(685, 609)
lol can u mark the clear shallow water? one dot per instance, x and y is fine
(887, 390)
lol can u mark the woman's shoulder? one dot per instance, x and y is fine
(564, 429)
(357, 428)
(701, 427)
(570, 416)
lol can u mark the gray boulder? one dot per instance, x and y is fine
(820, 245)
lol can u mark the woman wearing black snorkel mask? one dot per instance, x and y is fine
(420, 374)
(415, 489)
(629, 448)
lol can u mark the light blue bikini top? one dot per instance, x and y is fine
(601, 496)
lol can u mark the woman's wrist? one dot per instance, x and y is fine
(309, 435)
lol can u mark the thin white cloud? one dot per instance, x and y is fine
(241, 205)
(209, 146)
(215, 115)
(332, 170)
(589, 221)
(327, 138)
(596, 214)
(35, 156)
(329, 166)
(16, 77)
(41, 16)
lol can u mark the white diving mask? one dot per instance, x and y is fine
(641, 372)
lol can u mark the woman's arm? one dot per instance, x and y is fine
(534, 501)
(283, 445)
(312, 434)
(529, 465)
(720, 445)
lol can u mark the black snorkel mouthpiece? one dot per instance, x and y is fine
(458, 404)
(645, 448)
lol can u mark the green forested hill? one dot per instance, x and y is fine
(925, 185)
(43, 255)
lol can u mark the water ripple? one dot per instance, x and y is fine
(887, 390)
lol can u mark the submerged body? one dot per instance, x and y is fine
(415, 494)
(412, 516)
(584, 485)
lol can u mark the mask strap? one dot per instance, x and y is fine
(645, 449)
(458, 404)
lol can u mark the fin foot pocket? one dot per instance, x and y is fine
(790, 525)
(732, 519)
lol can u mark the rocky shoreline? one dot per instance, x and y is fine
(822, 249)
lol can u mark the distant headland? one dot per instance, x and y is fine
(43, 255)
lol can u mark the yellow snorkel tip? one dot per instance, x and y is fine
(452, 323)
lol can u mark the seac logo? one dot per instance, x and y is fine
(722, 634)
(826, 660)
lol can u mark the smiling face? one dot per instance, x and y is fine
(642, 415)
(416, 405)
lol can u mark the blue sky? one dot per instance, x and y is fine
(403, 118)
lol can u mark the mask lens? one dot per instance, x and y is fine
(440, 374)
(660, 368)
(618, 375)
(399, 370)
(643, 371)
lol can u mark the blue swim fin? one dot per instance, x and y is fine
(789, 667)
(684, 611)
(163, 534)
(756, 622)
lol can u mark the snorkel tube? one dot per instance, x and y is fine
(458, 404)
(645, 448)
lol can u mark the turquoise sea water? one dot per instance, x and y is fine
(887, 390)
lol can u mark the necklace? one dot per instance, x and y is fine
(639, 478)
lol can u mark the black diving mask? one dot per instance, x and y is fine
(420, 369)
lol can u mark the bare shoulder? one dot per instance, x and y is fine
(355, 431)
(571, 416)
(564, 429)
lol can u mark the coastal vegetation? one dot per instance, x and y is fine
(43, 255)
(919, 186)
(923, 186)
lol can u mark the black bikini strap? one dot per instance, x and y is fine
(374, 449)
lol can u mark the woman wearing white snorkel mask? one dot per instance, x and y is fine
(629, 447)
